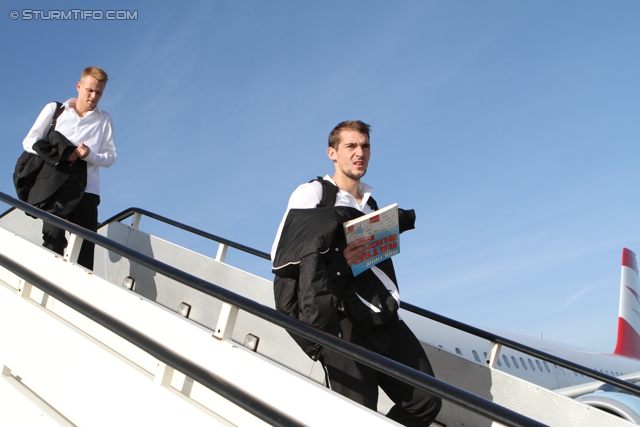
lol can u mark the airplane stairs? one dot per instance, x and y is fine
(60, 367)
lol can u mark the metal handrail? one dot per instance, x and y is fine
(129, 212)
(378, 362)
(592, 373)
(630, 387)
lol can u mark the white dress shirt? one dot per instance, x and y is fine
(95, 129)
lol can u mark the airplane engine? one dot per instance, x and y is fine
(614, 401)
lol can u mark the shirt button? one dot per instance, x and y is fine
(338, 273)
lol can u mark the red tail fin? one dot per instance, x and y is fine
(629, 315)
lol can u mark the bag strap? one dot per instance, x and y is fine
(330, 194)
(372, 203)
(56, 114)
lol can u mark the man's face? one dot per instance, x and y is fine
(89, 93)
(351, 157)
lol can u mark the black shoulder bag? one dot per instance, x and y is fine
(29, 165)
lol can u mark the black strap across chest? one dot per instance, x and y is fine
(330, 194)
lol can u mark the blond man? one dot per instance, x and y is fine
(87, 132)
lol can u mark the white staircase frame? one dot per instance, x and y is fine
(93, 377)
(105, 380)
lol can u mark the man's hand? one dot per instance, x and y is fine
(81, 152)
(354, 250)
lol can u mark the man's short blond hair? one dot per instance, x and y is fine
(96, 73)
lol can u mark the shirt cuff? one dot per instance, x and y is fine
(91, 158)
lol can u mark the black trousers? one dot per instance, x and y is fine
(413, 407)
(84, 215)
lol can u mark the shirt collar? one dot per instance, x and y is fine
(72, 101)
(363, 188)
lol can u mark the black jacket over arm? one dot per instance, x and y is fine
(57, 171)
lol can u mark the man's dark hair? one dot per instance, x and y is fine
(354, 125)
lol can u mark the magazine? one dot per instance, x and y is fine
(381, 232)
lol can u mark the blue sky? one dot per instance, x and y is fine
(510, 126)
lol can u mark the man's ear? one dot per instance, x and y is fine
(331, 152)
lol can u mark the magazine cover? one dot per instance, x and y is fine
(382, 236)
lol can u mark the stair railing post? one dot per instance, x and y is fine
(73, 248)
(226, 322)
(222, 252)
(135, 222)
(494, 355)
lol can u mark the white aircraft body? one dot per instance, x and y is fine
(624, 362)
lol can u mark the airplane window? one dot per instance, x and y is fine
(606, 372)
(499, 364)
(475, 356)
(524, 365)
(531, 364)
(458, 351)
(506, 361)
(546, 366)
(440, 346)
(513, 359)
(539, 365)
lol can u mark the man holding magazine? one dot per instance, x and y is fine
(315, 283)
